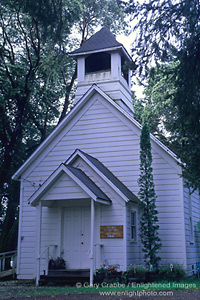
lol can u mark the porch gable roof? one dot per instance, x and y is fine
(105, 173)
(77, 176)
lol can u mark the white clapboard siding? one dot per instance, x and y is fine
(192, 209)
(27, 233)
(113, 249)
(103, 132)
(64, 188)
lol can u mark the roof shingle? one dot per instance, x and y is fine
(88, 182)
(100, 40)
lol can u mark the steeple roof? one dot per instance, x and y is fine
(100, 41)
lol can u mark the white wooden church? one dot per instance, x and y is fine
(79, 189)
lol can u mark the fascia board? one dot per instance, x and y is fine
(44, 187)
(102, 201)
(78, 153)
(84, 53)
(52, 178)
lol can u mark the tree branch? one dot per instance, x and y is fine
(67, 94)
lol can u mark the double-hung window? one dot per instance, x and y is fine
(133, 226)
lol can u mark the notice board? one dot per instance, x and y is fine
(111, 232)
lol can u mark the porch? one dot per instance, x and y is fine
(77, 243)
(75, 203)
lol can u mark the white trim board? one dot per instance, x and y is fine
(33, 200)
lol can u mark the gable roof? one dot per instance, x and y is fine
(103, 40)
(76, 175)
(110, 178)
(93, 89)
(88, 182)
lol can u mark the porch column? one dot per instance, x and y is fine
(59, 231)
(38, 239)
(92, 243)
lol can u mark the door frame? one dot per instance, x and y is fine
(76, 242)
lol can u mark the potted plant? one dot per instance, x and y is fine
(112, 275)
(99, 275)
(57, 264)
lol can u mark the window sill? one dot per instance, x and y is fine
(133, 241)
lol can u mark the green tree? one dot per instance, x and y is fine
(36, 74)
(170, 31)
(29, 99)
(149, 215)
(157, 108)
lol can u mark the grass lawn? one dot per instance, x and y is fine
(20, 288)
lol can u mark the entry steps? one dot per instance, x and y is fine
(64, 277)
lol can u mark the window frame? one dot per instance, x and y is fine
(132, 239)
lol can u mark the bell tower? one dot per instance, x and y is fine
(103, 61)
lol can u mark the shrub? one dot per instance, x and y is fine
(57, 263)
(176, 274)
(138, 272)
(107, 273)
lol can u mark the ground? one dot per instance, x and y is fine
(186, 295)
(18, 291)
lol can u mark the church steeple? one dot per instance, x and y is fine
(102, 61)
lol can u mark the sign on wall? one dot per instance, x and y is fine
(111, 232)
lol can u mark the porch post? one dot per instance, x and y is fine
(38, 240)
(92, 243)
(59, 231)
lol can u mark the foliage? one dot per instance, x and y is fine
(29, 100)
(101, 270)
(107, 274)
(157, 108)
(36, 75)
(136, 271)
(159, 112)
(101, 13)
(149, 219)
(57, 264)
(198, 226)
(169, 32)
(177, 273)
(163, 28)
(107, 269)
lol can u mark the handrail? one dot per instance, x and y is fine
(8, 253)
(8, 263)
(45, 249)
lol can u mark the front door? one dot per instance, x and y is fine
(76, 237)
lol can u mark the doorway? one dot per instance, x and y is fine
(76, 237)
